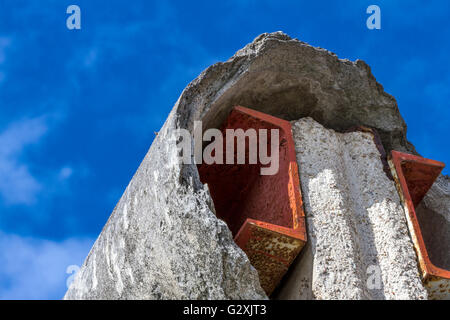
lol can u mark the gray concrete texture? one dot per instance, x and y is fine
(359, 246)
(163, 241)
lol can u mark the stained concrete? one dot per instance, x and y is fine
(163, 240)
(355, 220)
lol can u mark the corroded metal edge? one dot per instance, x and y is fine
(436, 280)
(272, 248)
(270, 251)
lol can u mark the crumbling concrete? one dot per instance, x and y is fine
(163, 240)
(359, 246)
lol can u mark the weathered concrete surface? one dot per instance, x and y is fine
(163, 241)
(290, 79)
(355, 220)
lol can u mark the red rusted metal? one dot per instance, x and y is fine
(264, 212)
(414, 176)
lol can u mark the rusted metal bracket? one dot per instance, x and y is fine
(414, 176)
(264, 212)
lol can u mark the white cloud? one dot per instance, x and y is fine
(5, 42)
(65, 173)
(33, 268)
(17, 185)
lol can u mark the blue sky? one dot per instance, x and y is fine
(78, 108)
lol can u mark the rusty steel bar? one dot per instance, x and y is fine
(414, 176)
(264, 213)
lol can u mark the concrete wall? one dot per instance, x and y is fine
(358, 246)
